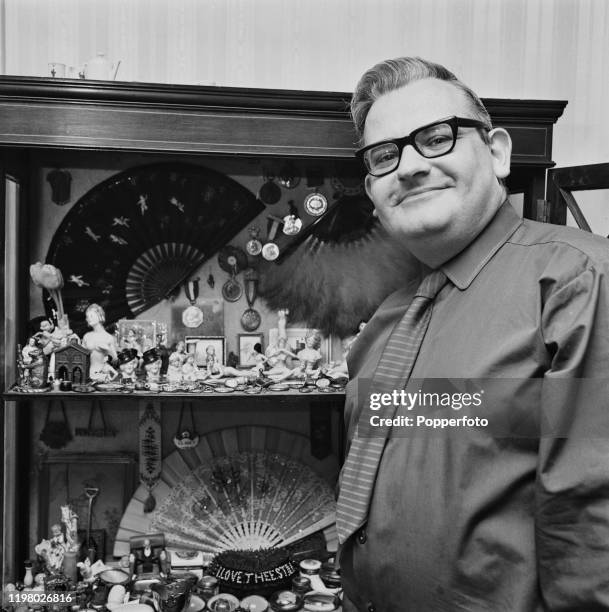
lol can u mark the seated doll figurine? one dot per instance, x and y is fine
(190, 372)
(176, 361)
(309, 357)
(147, 556)
(107, 373)
(152, 366)
(276, 357)
(128, 361)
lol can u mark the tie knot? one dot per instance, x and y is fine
(431, 284)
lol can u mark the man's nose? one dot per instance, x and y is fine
(412, 163)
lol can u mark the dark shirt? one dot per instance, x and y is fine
(514, 518)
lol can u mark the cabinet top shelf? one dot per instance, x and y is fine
(111, 115)
(238, 98)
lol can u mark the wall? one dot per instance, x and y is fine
(548, 49)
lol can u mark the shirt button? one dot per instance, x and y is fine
(371, 607)
(362, 537)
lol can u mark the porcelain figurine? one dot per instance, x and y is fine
(176, 361)
(190, 372)
(128, 362)
(152, 366)
(101, 343)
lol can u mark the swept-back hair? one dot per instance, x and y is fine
(395, 73)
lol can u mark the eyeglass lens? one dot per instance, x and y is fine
(432, 141)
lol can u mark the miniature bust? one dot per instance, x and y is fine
(101, 343)
(152, 365)
(128, 361)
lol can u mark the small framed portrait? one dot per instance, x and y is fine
(138, 334)
(247, 352)
(208, 350)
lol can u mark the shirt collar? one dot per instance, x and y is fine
(464, 267)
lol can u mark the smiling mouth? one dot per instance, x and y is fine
(416, 193)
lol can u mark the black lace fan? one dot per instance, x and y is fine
(133, 239)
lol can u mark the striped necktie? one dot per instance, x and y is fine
(392, 372)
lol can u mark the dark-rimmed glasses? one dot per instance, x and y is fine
(432, 140)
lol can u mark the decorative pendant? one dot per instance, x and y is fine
(316, 204)
(254, 246)
(184, 437)
(232, 260)
(150, 457)
(292, 224)
(231, 290)
(251, 319)
(270, 251)
(193, 315)
(211, 281)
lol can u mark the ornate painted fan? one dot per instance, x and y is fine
(240, 488)
(133, 239)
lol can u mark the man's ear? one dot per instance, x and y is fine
(501, 149)
(367, 182)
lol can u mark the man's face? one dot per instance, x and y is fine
(451, 197)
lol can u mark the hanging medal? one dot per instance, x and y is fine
(251, 319)
(193, 315)
(270, 251)
(292, 224)
(231, 290)
(254, 246)
(232, 260)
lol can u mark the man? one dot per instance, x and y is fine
(509, 517)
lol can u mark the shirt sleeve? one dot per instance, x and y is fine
(572, 491)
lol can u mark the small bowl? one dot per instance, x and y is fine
(114, 576)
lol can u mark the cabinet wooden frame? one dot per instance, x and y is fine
(79, 116)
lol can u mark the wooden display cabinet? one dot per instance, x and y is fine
(81, 118)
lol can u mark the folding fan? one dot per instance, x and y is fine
(240, 488)
(340, 272)
(132, 240)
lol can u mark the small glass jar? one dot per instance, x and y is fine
(301, 585)
(208, 587)
(330, 576)
(309, 568)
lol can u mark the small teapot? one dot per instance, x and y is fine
(100, 68)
